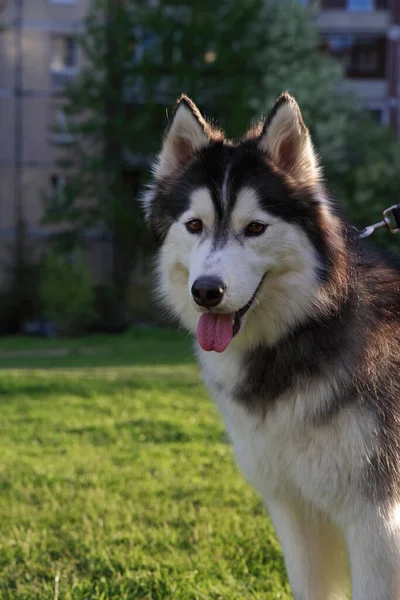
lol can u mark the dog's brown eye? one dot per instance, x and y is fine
(255, 228)
(194, 226)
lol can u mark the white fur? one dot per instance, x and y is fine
(308, 475)
(314, 550)
(289, 290)
(146, 199)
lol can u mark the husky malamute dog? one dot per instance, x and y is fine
(298, 337)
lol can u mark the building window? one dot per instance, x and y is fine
(360, 5)
(143, 42)
(57, 183)
(355, 5)
(64, 59)
(60, 127)
(56, 191)
(376, 114)
(64, 52)
(327, 4)
(362, 56)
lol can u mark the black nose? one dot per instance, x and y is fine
(208, 291)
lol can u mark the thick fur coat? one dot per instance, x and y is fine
(298, 338)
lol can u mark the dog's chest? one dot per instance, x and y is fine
(280, 452)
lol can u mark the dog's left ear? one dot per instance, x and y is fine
(187, 132)
(287, 141)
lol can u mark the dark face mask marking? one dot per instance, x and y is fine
(224, 170)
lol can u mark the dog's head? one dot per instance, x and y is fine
(242, 226)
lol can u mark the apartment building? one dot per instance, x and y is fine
(365, 36)
(38, 54)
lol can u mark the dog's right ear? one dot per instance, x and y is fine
(187, 132)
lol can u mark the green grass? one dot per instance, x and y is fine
(116, 478)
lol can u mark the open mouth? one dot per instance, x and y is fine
(216, 330)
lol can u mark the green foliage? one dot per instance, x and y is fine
(361, 159)
(234, 58)
(368, 177)
(295, 63)
(67, 292)
(117, 478)
(211, 51)
(111, 316)
(98, 194)
(19, 299)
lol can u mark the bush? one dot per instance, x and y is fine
(111, 314)
(19, 298)
(367, 179)
(20, 301)
(66, 291)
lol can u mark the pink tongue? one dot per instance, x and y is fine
(214, 332)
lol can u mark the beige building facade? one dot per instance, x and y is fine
(38, 54)
(365, 36)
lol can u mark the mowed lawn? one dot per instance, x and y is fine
(117, 481)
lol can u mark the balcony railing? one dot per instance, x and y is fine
(355, 5)
(61, 77)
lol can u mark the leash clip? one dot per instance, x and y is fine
(389, 215)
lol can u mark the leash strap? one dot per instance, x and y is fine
(390, 221)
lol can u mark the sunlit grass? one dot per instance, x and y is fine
(116, 478)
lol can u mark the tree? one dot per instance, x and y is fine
(209, 50)
(367, 179)
(137, 59)
(234, 58)
(361, 159)
(96, 191)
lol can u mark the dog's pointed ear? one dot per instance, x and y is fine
(286, 140)
(187, 132)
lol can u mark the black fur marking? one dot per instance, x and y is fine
(247, 167)
(308, 352)
(282, 100)
(300, 207)
(358, 350)
(380, 375)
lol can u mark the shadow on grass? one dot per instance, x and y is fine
(145, 431)
(134, 348)
(88, 386)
